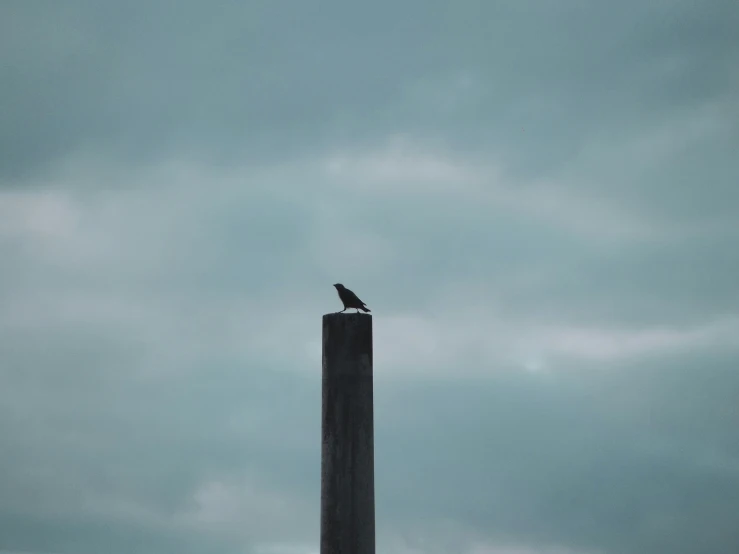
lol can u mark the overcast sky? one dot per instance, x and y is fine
(539, 201)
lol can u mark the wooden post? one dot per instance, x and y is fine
(347, 426)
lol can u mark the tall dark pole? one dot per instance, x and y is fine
(347, 428)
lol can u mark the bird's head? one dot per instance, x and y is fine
(339, 286)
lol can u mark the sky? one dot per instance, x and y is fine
(538, 200)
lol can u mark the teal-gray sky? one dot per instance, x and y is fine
(539, 201)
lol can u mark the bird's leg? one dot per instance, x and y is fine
(342, 311)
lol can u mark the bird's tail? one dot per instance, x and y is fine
(365, 309)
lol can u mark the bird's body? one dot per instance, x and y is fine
(349, 299)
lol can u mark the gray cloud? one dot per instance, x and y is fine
(537, 203)
(616, 462)
(260, 81)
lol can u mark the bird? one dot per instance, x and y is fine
(349, 299)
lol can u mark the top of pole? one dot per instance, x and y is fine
(347, 343)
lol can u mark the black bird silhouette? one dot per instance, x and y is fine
(349, 299)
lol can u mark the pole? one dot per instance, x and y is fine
(347, 428)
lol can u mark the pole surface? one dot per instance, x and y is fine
(347, 428)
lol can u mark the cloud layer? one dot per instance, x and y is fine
(538, 204)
